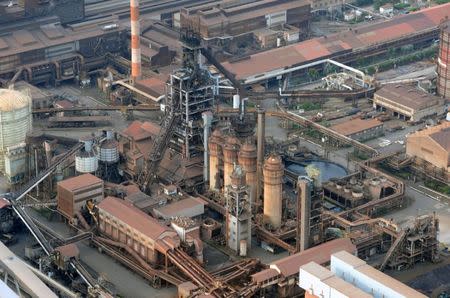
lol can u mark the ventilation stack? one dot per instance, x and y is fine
(230, 158)
(260, 140)
(304, 212)
(215, 158)
(135, 42)
(247, 159)
(273, 190)
(443, 67)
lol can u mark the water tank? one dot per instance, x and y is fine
(15, 120)
(236, 101)
(86, 161)
(109, 149)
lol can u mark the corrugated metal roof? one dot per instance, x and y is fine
(353, 126)
(79, 182)
(320, 254)
(135, 218)
(323, 47)
(174, 209)
(408, 96)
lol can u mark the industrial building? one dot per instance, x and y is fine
(408, 102)
(349, 276)
(235, 18)
(44, 51)
(431, 146)
(443, 62)
(415, 28)
(124, 223)
(283, 274)
(360, 129)
(73, 194)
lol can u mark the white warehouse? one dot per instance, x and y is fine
(349, 275)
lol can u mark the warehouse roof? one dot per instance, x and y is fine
(353, 126)
(177, 208)
(376, 275)
(332, 45)
(408, 96)
(79, 182)
(439, 133)
(331, 280)
(135, 218)
(42, 35)
(320, 254)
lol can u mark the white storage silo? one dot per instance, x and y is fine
(109, 149)
(15, 120)
(86, 161)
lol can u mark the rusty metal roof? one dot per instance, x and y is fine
(135, 218)
(408, 96)
(79, 182)
(334, 44)
(320, 254)
(353, 126)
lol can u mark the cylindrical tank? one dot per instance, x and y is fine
(273, 171)
(86, 161)
(109, 149)
(247, 159)
(230, 152)
(443, 63)
(15, 120)
(236, 101)
(448, 116)
(215, 156)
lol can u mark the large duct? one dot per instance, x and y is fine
(247, 159)
(135, 42)
(273, 190)
(260, 135)
(230, 158)
(215, 143)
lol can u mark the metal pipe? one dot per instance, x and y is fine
(260, 151)
(51, 282)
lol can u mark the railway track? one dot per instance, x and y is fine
(98, 108)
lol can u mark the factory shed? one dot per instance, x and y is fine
(317, 281)
(320, 254)
(123, 222)
(407, 102)
(73, 193)
(359, 129)
(189, 207)
(269, 64)
(369, 279)
(431, 145)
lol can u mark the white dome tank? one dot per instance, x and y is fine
(109, 149)
(15, 120)
(86, 161)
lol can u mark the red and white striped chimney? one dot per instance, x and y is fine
(135, 43)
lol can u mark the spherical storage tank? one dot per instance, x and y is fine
(86, 161)
(109, 149)
(15, 120)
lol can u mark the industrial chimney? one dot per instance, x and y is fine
(135, 43)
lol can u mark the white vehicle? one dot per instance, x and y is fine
(384, 143)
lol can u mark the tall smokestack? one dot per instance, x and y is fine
(303, 215)
(260, 139)
(135, 43)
